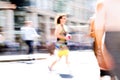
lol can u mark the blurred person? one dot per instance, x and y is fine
(2, 42)
(2, 39)
(62, 37)
(105, 74)
(107, 25)
(28, 35)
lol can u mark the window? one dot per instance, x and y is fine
(19, 20)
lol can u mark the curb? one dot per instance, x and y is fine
(13, 58)
(26, 57)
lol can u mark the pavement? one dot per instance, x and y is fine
(83, 66)
(82, 61)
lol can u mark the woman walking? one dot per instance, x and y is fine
(62, 37)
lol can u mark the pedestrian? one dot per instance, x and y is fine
(62, 38)
(108, 31)
(2, 39)
(105, 74)
(28, 35)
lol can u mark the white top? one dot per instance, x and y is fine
(28, 33)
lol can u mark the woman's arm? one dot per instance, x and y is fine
(100, 24)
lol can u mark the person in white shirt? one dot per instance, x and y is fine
(29, 34)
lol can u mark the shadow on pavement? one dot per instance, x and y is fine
(66, 75)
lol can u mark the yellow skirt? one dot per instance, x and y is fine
(63, 52)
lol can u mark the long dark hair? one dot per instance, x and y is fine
(58, 19)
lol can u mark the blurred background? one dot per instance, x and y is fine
(13, 13)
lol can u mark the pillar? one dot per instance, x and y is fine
(47, 29)
(9, 27)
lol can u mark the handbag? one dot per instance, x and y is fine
(50, 48)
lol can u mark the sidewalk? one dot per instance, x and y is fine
(83, 66)
(23, 57)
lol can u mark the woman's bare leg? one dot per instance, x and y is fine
(67, 61)
(53, 63)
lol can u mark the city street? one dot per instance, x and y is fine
(83, 66)
(16, 64)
